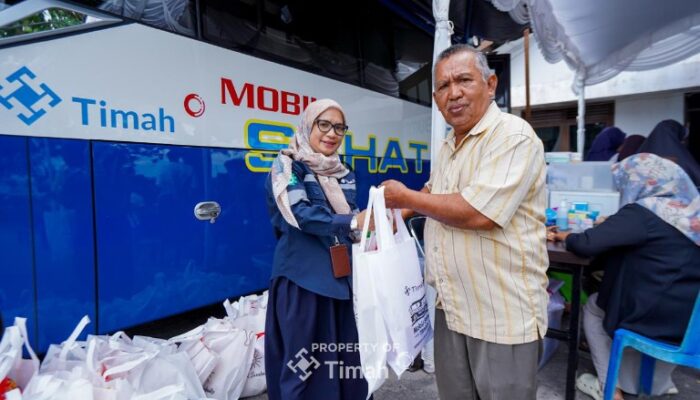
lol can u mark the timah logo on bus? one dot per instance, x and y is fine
(29, 97)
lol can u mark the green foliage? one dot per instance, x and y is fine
(47, 20)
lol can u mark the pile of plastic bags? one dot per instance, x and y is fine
(222, 359)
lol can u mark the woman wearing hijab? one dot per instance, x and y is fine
(649, 249)
(630, 146)
(311, 199)
(666, 140)
(606, 144)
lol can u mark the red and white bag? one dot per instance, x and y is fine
(222, 355)
(248, 313)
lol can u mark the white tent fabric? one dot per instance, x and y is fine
(607, 37)
(443, 34)
(517, 9)
(604, 38)
(601, 38)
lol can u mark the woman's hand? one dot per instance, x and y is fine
(361, 221)
(553, 235)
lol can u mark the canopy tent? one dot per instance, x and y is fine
(600, 38)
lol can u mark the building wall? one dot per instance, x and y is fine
(639, 114)
(550, 84)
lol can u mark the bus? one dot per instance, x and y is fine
(134, 156)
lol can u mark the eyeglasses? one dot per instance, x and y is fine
(325, 126)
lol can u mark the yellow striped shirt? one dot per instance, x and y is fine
(492, 284)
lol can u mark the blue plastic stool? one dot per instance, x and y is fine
(688, 353)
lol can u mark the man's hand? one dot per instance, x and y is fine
(394, 194)
(361, 220)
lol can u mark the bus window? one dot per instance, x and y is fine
(34, 19)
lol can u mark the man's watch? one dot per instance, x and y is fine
(353, 223)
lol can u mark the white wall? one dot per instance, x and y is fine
(637, 115)
(551, 83)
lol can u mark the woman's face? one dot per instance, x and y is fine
(326, 143)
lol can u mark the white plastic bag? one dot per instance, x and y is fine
(173, 371)
(74, 367)
(149, 365)
(235, 348)
(555, 311)
(69, 354)
(373, 338)
(401, 299)
(372, 335)
(14, 394)
(60, 385)
(12, 365)
(256, 382)
(248, 313)
(403, 295)
(114, 368)
(203, 358)
(65, 372)
(222, 353)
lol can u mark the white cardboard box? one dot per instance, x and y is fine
(607, 203)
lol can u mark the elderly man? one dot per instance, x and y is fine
(485, 237)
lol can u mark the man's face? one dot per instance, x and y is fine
(461, 94)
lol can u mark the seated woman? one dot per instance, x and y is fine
(606, 145)
(650, 251)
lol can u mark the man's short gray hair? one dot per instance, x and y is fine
(481, 63)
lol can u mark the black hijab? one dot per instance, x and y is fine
(630, 146)
(666, 140)
(605, 145)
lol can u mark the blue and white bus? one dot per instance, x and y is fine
(112, 131)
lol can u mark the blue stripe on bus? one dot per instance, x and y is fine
(63, 237)
(153, 259)
(17, 297)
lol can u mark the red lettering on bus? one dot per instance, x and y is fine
(264, 98)
(247, 92)
(262, 104)
(291, 103)
(307, 100)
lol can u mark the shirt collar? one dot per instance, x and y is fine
(491, 117)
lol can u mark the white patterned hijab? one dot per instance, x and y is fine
(662, 187)
(328, 169)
